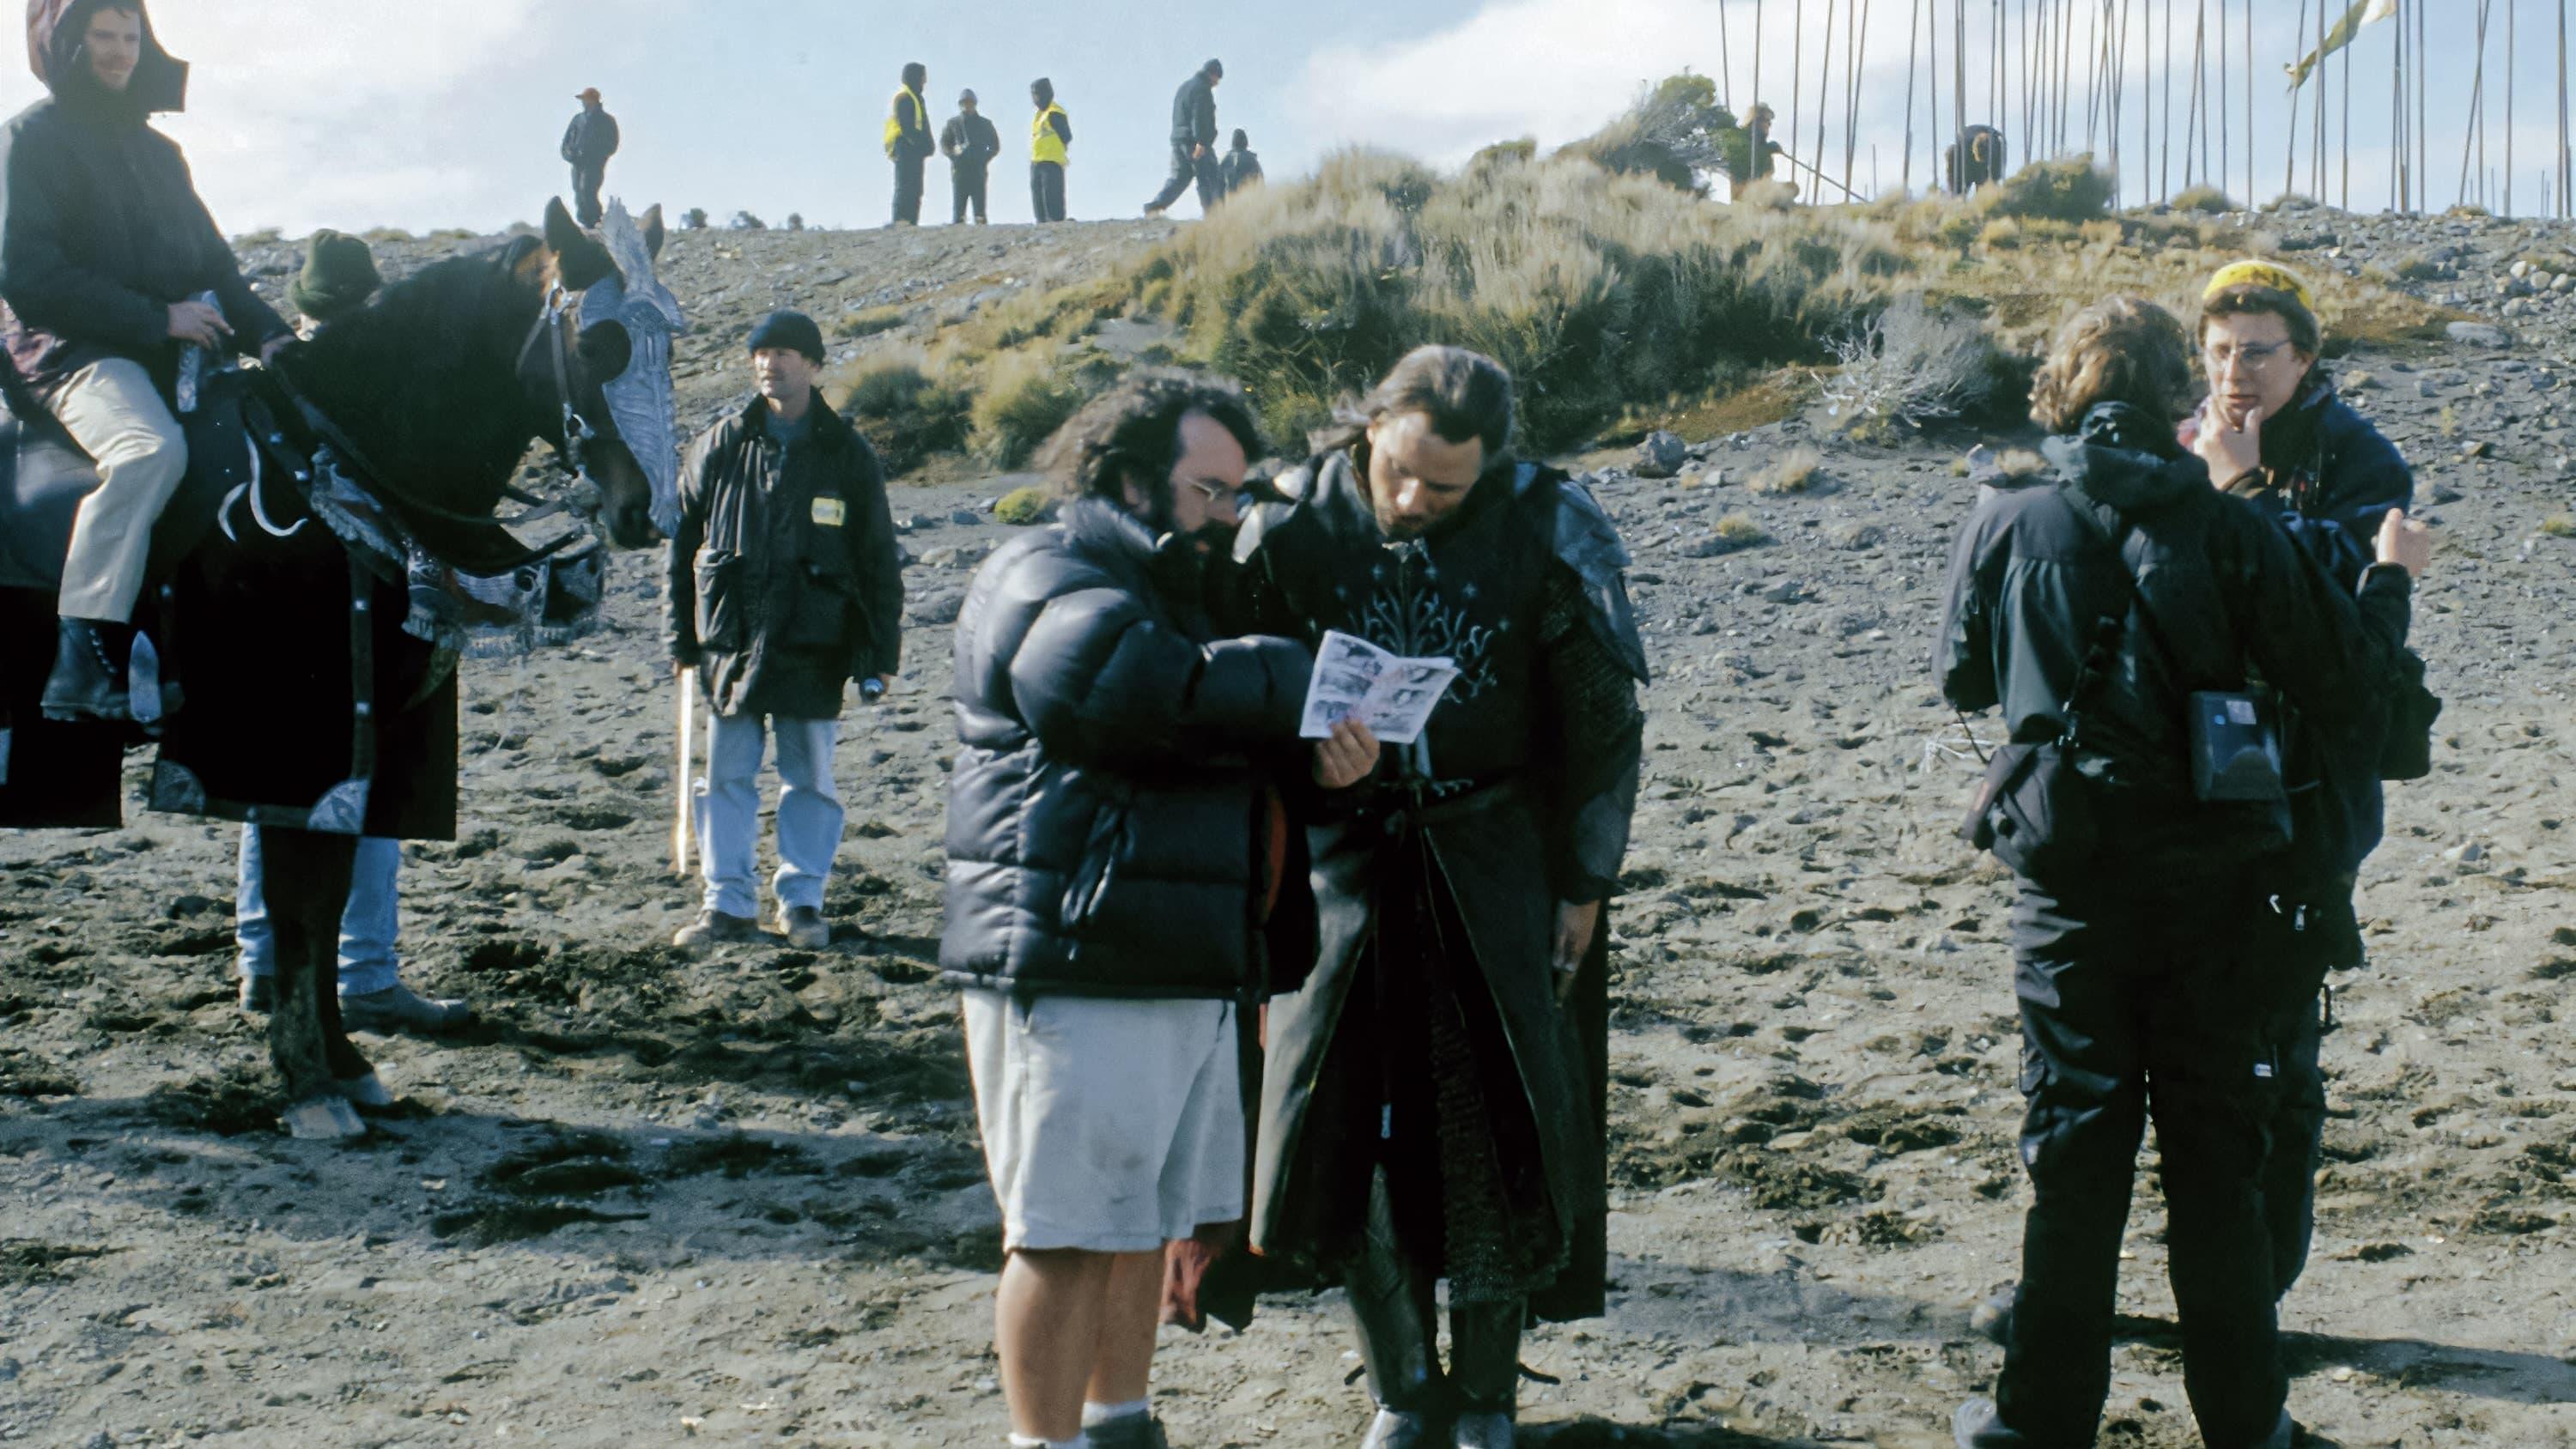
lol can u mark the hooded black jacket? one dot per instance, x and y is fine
(1194, 113)
(784, 582)
(1106, 808)
(100, 226)
(2221, 594)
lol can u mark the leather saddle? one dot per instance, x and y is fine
(44, 477)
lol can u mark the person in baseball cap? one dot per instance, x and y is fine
(587, 144)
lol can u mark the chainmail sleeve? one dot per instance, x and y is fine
(1599, 738)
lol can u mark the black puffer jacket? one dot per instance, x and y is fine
(783, 580)
(2219, 588)
(591, 138)
(100, 225)
(1108, 823)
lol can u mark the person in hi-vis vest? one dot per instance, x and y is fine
(1050, 136)
(908, 142)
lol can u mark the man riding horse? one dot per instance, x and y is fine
(106, 258)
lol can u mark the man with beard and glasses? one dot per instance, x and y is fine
(107, 258)
(1116, 848)
(1433, 1102)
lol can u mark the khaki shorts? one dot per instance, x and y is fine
(1109, 1126)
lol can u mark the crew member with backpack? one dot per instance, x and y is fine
(2118, 613)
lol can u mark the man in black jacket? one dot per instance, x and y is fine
(1113, 857)
(784, 585)
(587, 144)
(1432, 1100)
(1194, 159)
(105, 256)
(970, 143)
(2103, 611)
(907, 141)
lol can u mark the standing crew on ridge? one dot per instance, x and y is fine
(587, 144)
(908, 142)
(1194, 133)
(106, 257)
(1050, 139)
(1241, 167)
(970, 143)
(1433, 1103)
(784, 584)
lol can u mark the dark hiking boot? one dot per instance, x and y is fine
(1395, 1429)
(1992, 1318)
(88, 682)
(1485, 1371)
(806, 930)
(258, 995)
(398, 1008)
(1482, 1431)
(1127, 1431)
(715, 928)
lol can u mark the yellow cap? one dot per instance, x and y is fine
(2260, 274)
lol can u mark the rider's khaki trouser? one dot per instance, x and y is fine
(112, 410)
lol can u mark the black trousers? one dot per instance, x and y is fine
(2308, 933)
(586, 181)
(1189, 170)
(967, 184)
(2133, 1008)
(1046, 191)
(907, 188)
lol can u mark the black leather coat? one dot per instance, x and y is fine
(783, 581)
(1108, 807)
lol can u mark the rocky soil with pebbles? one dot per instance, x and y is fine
(654, 1200)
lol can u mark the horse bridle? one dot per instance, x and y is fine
(571, 452)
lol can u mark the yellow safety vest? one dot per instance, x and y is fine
(894, 117)
(1044, 143)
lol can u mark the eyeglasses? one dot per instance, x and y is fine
(2246, 360)
(1214, 493)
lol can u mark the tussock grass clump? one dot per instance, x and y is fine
(2208, 200)
(1024, 506)
(869, 322)
(1799, 470)
(1594, 289)
(1025, 398)
(2073, 190)
(1738, 530)
(2559, 525)
(904, 411)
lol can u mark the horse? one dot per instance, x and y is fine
(309, 670)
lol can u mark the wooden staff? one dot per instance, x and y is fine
(683, 828)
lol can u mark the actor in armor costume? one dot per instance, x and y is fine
(1433, 1104)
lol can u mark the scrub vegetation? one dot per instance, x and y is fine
(1618, 291)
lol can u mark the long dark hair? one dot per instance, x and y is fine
(1465, 395)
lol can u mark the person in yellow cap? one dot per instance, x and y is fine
(2274, 430)
(587, 144)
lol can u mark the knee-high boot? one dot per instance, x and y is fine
(1392, 1305)
(1485, 1370)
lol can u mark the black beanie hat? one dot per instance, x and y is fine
(339, 276)
(789, 329)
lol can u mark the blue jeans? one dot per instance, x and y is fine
(367, 924)
(728, 810)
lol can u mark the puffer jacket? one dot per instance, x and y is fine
(1194, 113)
(1109, 816)
(100, 226)
(783, 580)
(2220, 594)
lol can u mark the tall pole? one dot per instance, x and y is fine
(2317, 168)
(2250, 68)
(2347, 124)
(2512, 8)
(1757, 66)
(1797, 71)
(1824, 109)
(1725, 66)
(2566, 172)
(2477, 96)
(1852, 62)
(1932, 85)
(2223, 172)
(1913, 48)
(2397, 117)
(1959, 84)
(2288, 171)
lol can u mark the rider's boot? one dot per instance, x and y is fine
(89, 679)
(1392, 1305)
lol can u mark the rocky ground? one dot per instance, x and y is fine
(738, 1199)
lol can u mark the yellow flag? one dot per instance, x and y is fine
(2363, 12)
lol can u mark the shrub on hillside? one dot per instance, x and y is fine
(1909, 366)
(1675, 132)
(2206, 199)
(906, 413)
(1024, 399)
(2072, 190)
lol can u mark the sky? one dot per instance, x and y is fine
(436, 113)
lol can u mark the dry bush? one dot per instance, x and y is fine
(2072, 190)
(1798, 470)
(906, 412)
(2208, 200)
(2559, 525)
(1908, 366)
(1738, 530)
(870, 321)
(1026, 396)
(1675, 132)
